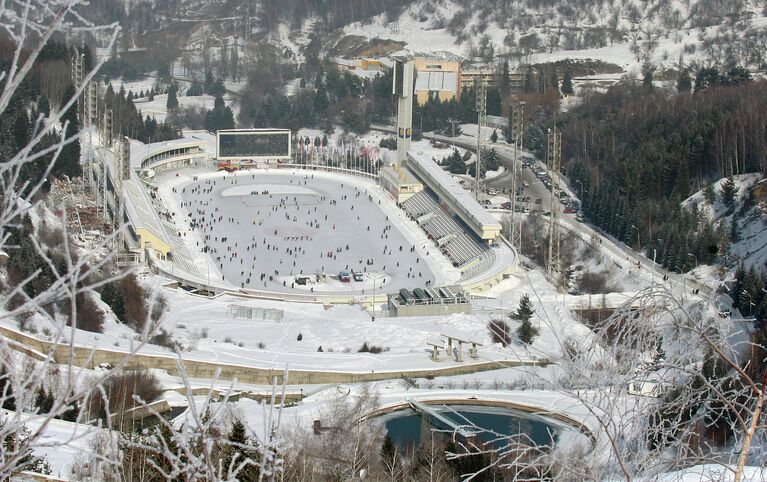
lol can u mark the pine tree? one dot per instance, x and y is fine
(529, 80)
(709, 194)
(494, 137)
(526, 331)
(567, 83)
(684, 83)
(505, 83)
(172, 102)
(734, 234)
(728, 191)
(647, 79)
(18, 442)
(554, 80)
(738, 286)
(239, 450)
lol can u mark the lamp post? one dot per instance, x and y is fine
(580, 184)
(639, 243)
(696, 259)
(750, 302)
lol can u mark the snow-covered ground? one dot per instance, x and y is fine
(157, 108)
(751, 245)
(423, 31)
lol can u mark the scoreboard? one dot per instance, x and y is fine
(253, 144)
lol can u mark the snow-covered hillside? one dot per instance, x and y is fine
(749, 233)
(629, 34)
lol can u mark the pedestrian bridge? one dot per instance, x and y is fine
(441, 421)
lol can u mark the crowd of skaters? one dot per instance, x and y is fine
(289, 245)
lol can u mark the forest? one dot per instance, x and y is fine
(636, 153)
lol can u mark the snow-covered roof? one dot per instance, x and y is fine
(438, 80)
(470, 211)
(140, 210)
(140, 151)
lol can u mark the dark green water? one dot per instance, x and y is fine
(406, 428)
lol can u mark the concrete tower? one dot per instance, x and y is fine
(404, 81)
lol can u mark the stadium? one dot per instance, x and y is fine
(257, 213)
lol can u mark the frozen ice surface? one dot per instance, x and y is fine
(262, 229)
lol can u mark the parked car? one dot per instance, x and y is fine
(539, 201)
(569, 211)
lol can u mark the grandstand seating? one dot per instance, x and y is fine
(480, 265)
(420, 204)
(459, 246)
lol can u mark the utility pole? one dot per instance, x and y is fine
(481, 116)
(453, 122)
(553, 161)
(517, 133)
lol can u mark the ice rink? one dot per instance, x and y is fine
(262, 230)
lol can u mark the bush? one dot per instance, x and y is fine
(365, 348)
(89, 315)
(499, 332)
(388, 143)
(121, 389)
(134, 300)
(299, 337)
(164, 339)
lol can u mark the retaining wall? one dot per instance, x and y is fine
(92, 357)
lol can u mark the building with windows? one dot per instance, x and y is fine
(437, 76)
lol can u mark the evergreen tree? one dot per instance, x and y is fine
(554, 79)
(734, 233)
(321, 102)
(526, 331)
(239, 450)
(221, 117)
(194, 90)
(172, 102)
(684, 83)
(728, 191)
(647, 84)
(19, 442)
(567, 83)
(207, 85)
(494, 101)
(494, 136)
(709, 194)
(455, 163)
(505, 81)
(738, 286)
(529, 80)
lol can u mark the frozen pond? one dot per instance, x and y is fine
(263, 230)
